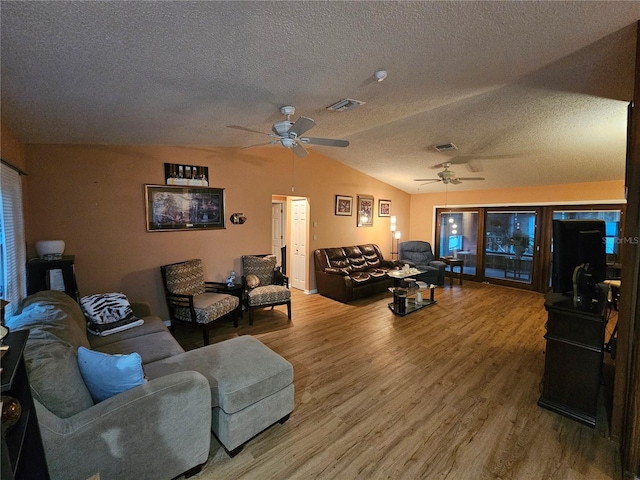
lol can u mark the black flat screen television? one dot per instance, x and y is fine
(576, 242)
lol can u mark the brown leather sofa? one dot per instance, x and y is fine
(349, 273)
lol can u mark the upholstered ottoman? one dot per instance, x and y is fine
(251, 386)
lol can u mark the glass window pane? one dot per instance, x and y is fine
(509, 245)
(612, 224)
(459, 238)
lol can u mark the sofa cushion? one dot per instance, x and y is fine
(54, 375)
(337, 258)
(268, 295)
(208, 306)
(151, 325)
(55, 312)
(241, 371)
(151, 347)
(108, 375)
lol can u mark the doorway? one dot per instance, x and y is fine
(278, 231)
(298, 251)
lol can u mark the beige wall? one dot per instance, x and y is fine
(92, 197)
(11, 149)
(423, 205)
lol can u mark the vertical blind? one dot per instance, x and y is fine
(13, 251)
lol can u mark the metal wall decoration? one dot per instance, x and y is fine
(171, 207)
(238, 218)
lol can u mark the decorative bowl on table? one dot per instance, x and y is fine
(50, 249)
(11, 411)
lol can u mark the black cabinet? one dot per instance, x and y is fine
(22, 452)
(573, 359)
(39, 275)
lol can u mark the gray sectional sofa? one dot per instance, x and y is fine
(162, 428)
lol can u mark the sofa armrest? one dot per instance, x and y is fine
(141, 309)
(438, 264)
(159, 429)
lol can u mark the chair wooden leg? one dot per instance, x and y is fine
(250, 316)
(289, 309)
(205, 333)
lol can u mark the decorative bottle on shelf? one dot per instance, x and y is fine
(231, 280)
(418, 298)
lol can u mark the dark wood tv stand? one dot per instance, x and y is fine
(573, 359)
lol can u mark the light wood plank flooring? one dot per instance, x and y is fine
(448, 392)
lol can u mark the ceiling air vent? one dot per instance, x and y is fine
(345, 104)
(445, 147)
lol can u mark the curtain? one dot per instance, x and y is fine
(13, 278)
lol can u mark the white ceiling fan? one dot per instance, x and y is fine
(289, 133)
(446, 176)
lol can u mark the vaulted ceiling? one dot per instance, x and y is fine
(532, 93)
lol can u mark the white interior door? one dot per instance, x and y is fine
(298, 254)
(277, 230)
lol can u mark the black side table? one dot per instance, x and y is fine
(22, 451)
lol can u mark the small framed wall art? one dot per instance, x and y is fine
(384, 208)
(344, 205)
(172, 207)
(365, 211)
(188, 175)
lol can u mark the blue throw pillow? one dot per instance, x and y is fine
(108, 375)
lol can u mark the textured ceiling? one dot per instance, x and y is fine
(545, 84)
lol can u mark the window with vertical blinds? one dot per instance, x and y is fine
(13, 281)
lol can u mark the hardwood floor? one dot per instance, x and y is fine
(448, 392)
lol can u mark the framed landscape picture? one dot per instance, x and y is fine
(344, 205)
(384, 208)
(183, 208)
(365, 211)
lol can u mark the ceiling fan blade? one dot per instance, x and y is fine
(238, 127)
(455, 181)
(470, 178)
(426, 179)
(299, 150)
(429, 182)
(302, 125)
(260, 144)
(329, 142)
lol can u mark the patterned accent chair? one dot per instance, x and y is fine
(264, 285)
(193, 302)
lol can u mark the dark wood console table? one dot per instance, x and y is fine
(573, 359)
(22, 452)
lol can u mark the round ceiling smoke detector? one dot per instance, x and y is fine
(380, 75)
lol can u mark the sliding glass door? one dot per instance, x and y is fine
(509, 245)
(459, 238)
(513, 245)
